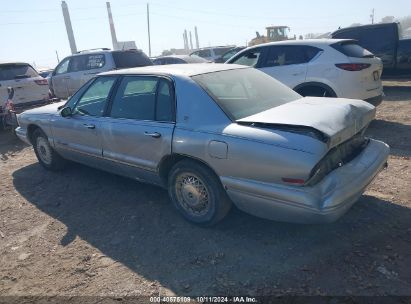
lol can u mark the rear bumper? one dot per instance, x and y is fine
(324, 202)
(375, 101)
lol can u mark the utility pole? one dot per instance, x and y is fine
(196, 35)
(148, 29)
(372, 16)
(112, 29)
(69, 28)
(57, 55)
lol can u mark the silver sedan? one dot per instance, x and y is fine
(214, 135)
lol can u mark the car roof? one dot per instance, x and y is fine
(187, 58)
(311, 42)
(13, 62)
(177, 69)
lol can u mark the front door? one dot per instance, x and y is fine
(78, 137)
(60, 79)
(138, 131)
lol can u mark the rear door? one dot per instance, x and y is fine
(138, 132)
(287, 64)
(82, 68)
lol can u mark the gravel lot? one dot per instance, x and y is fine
(86, 232)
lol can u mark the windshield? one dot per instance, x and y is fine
(244, 92)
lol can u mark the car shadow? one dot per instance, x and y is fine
(9, 144)
(400, 142)
(397, 92)
(134, 224)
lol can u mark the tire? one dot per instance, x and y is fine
(316, 91)
(197, 193)
(46, 156)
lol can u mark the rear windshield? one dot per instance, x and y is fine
(130, 59)
(244, 92)
(352, 49)
(16, 71)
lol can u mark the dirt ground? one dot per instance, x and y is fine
(86, 232)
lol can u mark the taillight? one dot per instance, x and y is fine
(353, 66)
(295, 181)
(41, 81)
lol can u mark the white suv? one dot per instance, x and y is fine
(322, 67)
(28, 85)
(74, 71)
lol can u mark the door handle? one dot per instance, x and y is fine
(154, 134)
(89, 126)
(91, 73)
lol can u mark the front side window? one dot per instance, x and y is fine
(94, 100)
(204, 53)
(143, 98)
(248, 58)
(245, 92)
(63, 66)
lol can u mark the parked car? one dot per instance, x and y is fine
(234, 134)
(212, 53)
(323, 67)
(230, 53)
(28, 85)
(45, 73)
(75, 70)
(178, 59)
(384, 40)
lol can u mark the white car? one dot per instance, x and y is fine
(28, 85)
(319, 67)
(212, 53)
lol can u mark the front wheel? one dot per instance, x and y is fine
(197, 193)
(46, 156)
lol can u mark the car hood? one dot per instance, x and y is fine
(337, 118)
(47, 109)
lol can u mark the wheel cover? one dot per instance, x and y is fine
(44, 150)
(192, 194)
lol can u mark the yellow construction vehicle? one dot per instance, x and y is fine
(274, 33)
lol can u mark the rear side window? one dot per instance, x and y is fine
(16, 71)
(352, 49)
(143, 98)
(130, 59)
(96, 61)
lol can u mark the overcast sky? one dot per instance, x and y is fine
(32, 30)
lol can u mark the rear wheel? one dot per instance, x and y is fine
(46, 156)
(197, 193)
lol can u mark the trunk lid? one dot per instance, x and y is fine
(337, 118)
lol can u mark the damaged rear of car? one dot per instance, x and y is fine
(291, 158)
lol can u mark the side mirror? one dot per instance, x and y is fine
(66, 112)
